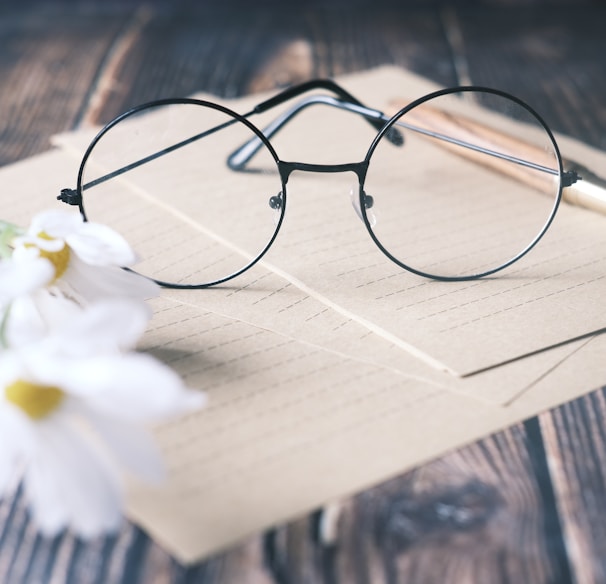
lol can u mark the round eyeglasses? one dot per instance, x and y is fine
(456, 185)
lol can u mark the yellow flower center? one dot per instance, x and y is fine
(59, 259)
(37, 401)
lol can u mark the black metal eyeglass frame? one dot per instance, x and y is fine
(385, 125)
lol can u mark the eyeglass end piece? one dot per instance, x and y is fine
(70, 196)
(570, 177)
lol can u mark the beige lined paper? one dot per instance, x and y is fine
(291, 426)
(308, 404)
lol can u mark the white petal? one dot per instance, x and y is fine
(130, 444)
(33, 317)
(11, 368)
(44, 497)
(56, 310)
(16, 445)
(133, 387)
(68, 484)
(23, 275)
(38, 364)
(99, 245)
(69, 330)
(34, 363)
(24, 324)
(103, 327)
(25, 253)
(100, 282)
(55, 223)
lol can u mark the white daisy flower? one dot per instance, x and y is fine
(74, 410)
(86, 256)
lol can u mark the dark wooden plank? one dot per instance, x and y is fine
(576, 450)
(48, 63)
(476, 515)
(129, 557)
(211, 48)
(551, 56)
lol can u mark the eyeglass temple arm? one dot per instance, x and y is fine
(472, 137)
(301, 88)
(242, 155)
(580, 186)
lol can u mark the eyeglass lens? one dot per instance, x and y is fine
(475, 185)
(176, 205)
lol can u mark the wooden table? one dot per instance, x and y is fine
(526, 505)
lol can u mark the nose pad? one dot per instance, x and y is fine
(276, 202)
(368, 203)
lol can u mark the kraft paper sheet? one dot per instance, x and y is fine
(316, 389)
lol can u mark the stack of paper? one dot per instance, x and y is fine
(330, 369)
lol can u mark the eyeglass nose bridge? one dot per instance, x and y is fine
(358, 168)
(287, 168)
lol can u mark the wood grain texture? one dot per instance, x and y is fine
(576, 453)
(463, 518)
(524, 505)
(550, 56)
(209, 48)
(48, 63)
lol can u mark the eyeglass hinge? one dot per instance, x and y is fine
(70, 196)
(569, 177)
